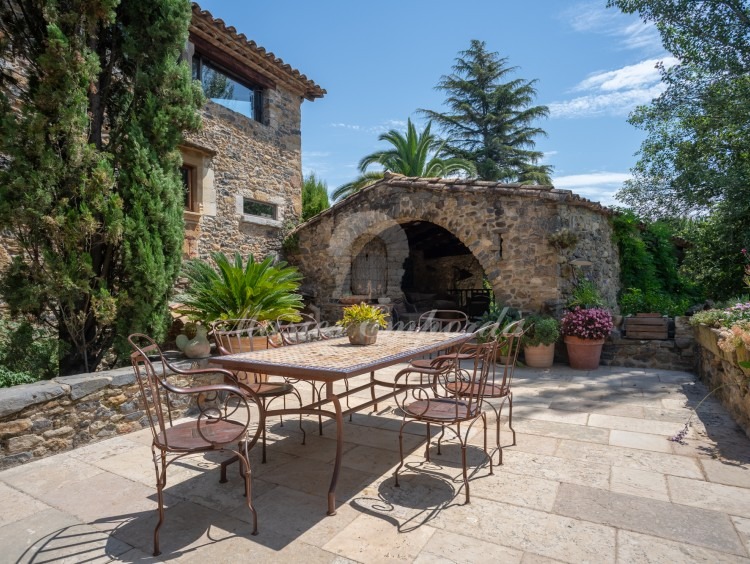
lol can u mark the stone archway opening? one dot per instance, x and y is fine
(441, 272)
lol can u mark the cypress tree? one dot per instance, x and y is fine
(94, 101)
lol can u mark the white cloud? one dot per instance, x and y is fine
(614, 93)
(596, 186)
(631, 32)
(387, 125)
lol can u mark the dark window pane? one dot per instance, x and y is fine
(261, 209)
(224, 90)
(187, 186)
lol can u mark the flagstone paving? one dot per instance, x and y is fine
(592, 478)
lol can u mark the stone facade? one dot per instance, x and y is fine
(508, 229)
(47, 417)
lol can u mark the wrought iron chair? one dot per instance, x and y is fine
(455, 398)
(445, 320)
(234, 336)
(223, 422)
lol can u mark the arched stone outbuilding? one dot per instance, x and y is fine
(524, 240)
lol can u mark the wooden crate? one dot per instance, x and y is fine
(646, 326)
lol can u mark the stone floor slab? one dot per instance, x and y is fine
(651, 485)
(545, 534)
(743, 529)
(709, 529)
(718, 497)
(633, 424)
(726, 472)
(556, 469)
(642, 441)
(448, 547)
(630, 458)
(635, 547)
(371, 539)
(560, 430)
(17, 505)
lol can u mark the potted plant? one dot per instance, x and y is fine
(585, 330)
(503, 315)
(362, 322)
(539, 341)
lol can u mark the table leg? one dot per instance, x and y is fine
(339, 447)
(372, 390)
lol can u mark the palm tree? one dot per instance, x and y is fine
(415, 154)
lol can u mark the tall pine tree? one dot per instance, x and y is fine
(490, 122)
(94, 101)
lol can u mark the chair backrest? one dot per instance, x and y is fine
(443, 320)
(471, 374)
(295, 332)
(151, 381)
(508, 347)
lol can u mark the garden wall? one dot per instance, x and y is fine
(40, 419)
(720, 370)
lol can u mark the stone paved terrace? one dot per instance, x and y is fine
(592, 479)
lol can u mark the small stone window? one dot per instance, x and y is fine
(260, 209)
(190, 187)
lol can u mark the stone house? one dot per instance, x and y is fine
(440, 241)
(243, 171)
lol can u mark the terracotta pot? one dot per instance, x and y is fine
(246, 344)
(583, 354)
(539, 356)
(365, 333)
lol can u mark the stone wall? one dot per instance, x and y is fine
(507, 228)
(37, 420)
(677, 353)
(261, 161)
(721, 372)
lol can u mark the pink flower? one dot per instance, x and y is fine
(589, 323)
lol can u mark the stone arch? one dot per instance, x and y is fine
(352, 233)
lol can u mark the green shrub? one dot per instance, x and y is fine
(543, 330)
(585, 295)
(633, 301)
(10, 378)
(28, 349)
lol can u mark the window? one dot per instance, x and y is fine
(260, 209)
(189, 186)
(224, 89)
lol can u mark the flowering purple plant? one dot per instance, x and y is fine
(588, 323)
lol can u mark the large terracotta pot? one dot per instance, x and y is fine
(365, 333)
(583, 354)
(539, 356)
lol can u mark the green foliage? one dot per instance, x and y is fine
(361, 313)
(28, 349)
(542, 330)
(91, 189)
(585, 295)
(489, 121)
(10, 378)
(415, 154)
(694, 160)
(232, 290)
(314, 197)
(634, 300)
(649, 270)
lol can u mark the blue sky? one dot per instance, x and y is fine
(380, 62)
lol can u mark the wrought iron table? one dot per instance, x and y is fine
(334, 360)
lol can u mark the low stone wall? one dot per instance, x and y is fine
(721, 372)
(678, 353)
(47, 417)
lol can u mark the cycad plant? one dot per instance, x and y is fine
(232, 290)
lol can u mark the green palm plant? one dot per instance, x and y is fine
(413, 154)
(233, 290)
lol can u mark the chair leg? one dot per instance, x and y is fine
(400, 451)
(440, 438)
(161, 481)
(427, 446)
(224, 464)
(245, 465)
(484, 426)
(466, 474)
(510, 416)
